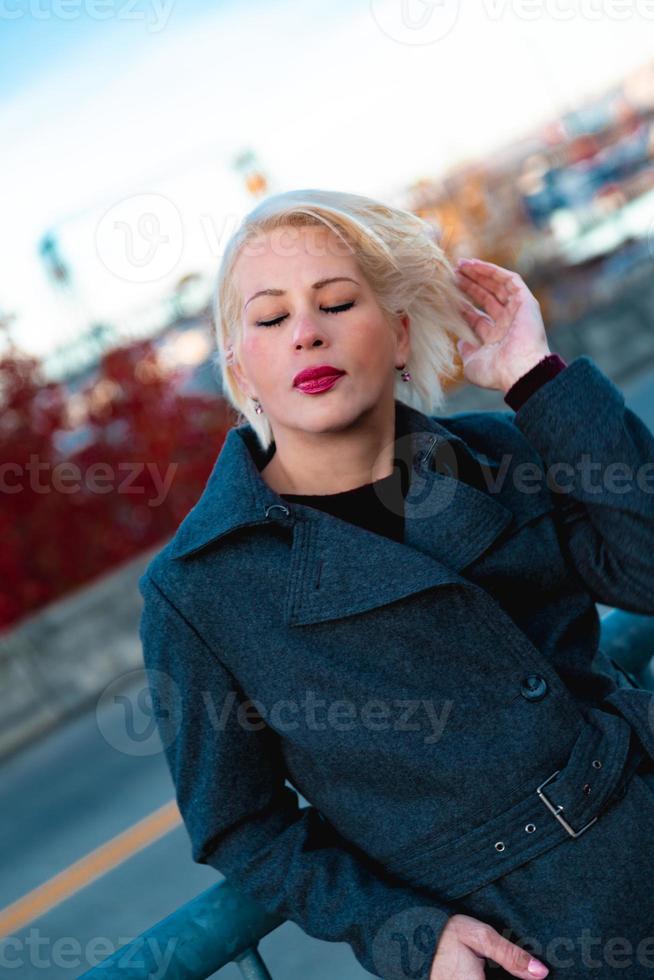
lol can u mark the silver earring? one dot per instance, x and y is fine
(257, 406)
(406, 375)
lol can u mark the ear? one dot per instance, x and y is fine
(403, 330)
(238, 373)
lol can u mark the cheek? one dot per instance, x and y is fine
(259, 355)
(255, 350)
(370, 338)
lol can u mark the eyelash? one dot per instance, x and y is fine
(328, 309)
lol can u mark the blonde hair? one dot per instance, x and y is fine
(398, 254)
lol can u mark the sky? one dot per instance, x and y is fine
(120, 122)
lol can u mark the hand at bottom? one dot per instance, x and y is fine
(465, 942)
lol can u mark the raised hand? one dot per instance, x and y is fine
(506, 319)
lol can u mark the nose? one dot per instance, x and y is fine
(307, 333)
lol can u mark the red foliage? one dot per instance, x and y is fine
(68, 517)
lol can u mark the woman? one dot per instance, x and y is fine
(393, 613)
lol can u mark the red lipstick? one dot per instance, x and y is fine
(316, 379)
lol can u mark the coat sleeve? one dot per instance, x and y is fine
(243, 820)
(599, 465)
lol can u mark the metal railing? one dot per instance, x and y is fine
(218, 926)
(222, 925)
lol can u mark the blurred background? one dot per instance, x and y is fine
(135, 135)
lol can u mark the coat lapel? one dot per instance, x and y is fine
(336, 568)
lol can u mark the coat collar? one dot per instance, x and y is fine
(338, 568)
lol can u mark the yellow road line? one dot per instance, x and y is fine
(75, 877)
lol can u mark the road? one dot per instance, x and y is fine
(61, 800)
(67, 899)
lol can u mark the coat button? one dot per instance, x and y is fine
(533, 687)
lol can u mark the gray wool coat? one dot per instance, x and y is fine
(441, 703)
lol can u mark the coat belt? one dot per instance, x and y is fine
(562, 806)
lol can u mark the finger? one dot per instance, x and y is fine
(481, 267)
(483, 263)
(481, 295)
(502, 312)
(481, 323)
(499, 289)
(512, 957)
(501, 282)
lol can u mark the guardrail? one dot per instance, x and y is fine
(218, 926)
(222, 925)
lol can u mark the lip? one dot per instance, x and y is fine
(319, 384)
(311, 376)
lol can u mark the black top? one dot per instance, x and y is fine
(377, 506)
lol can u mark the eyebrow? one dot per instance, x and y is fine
(316, 285)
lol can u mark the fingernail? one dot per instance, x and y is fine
(537, 969)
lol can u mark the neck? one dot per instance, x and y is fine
(334, 461)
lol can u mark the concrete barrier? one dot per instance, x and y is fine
(56, 662)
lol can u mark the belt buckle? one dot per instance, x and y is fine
(556, 810)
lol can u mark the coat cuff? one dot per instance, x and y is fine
(546, 369)
(581, 398)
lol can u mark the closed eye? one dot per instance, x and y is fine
(327, 309)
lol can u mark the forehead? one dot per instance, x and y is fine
(289, 254)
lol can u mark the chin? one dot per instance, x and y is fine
(336, 417)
